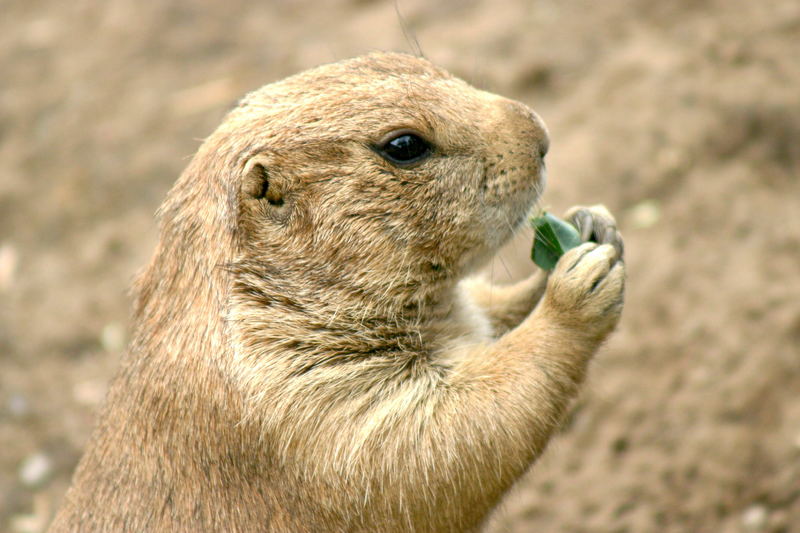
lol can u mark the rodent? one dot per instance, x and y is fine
(306, 354)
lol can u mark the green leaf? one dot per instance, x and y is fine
(553, 238)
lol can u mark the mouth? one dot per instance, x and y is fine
(541, 183)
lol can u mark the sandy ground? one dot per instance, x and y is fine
(683, 117)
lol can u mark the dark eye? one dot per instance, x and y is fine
(405, 149)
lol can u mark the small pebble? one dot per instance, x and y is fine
(17, 405)
(27, 523)
(112, 338)
(755, 517)
(645, 214)
(42, 33)
(35, 521)
(8, 266)
(89, 392)
(35, 469)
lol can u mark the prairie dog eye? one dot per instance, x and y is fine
(404, 148)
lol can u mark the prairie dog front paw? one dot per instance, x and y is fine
(586, 288)
(596, 223)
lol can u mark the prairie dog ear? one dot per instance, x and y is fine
(259, 184)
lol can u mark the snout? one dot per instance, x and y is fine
(519, 145)
(528, 126)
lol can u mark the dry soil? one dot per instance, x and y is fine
(683, 117)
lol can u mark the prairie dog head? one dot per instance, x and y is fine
(382, 171)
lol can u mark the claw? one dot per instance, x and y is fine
(596, 224)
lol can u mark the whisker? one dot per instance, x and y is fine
(408, 33)
(505, 266)
(491, 283)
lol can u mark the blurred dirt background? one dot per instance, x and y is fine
(683, 117)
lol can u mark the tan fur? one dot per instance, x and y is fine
(305, 355)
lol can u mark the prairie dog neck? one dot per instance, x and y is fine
(408, 315)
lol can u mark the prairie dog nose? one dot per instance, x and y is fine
(529, 125)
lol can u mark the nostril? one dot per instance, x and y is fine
(544, 146)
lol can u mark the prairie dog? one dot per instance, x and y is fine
(306, 355)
